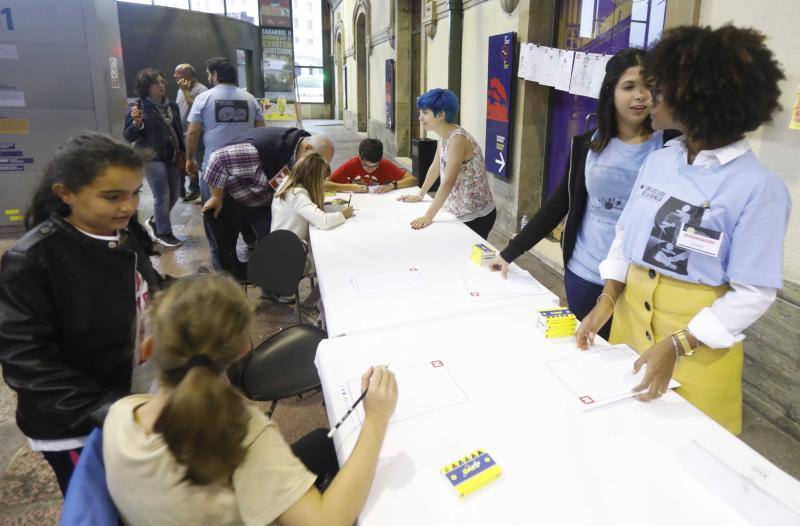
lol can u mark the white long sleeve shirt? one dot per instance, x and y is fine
(295, 210)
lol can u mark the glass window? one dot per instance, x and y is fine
(308, 25)
(639, 10)
(180, 4)
(216, 7)
(148, 2)
(246, 10)
(310, 84)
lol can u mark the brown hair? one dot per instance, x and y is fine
(309, 172)
(204, 420)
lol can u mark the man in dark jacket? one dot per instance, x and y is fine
(242, 178)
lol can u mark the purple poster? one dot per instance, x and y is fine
(498, 103)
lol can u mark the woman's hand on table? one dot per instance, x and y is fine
(410, 198)
(592, 323)
(660, 361)
(421, 222)
(500, 264)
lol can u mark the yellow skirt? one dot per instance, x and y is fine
(651, 308)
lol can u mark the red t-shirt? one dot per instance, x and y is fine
(351, 172)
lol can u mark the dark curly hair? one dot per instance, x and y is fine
(720, 82)
(144, 79)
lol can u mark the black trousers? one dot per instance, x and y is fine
(226, 227)
(483, 225)
(316, 452)
(63, 464)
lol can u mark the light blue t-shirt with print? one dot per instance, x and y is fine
(226, 113)
(610, 175)
(741, 199)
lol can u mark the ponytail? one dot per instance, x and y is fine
(204, 423)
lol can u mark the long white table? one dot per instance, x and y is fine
(379, 240)
(472, 375)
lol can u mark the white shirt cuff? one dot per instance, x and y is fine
(709, 329)
(615, 269)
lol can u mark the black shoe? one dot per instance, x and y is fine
(285, 300)
(168, 240)
(191, 196)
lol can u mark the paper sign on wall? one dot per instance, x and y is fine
(565, 60)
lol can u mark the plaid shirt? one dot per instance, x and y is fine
(237, 169)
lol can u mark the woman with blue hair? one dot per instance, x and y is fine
(464, 190)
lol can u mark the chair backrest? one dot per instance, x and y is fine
(278, 262)
(88, 502)
(283, 364)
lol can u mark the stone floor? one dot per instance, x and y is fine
(28, 491)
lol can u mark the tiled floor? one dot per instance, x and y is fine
(28, 491)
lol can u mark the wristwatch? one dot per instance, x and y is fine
(394, 183)
(684, 341)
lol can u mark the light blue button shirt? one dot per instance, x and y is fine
(738, 197)
(610, 175)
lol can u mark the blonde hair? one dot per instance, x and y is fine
(309, 172)
(204, 421)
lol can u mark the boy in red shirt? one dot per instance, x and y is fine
(369, 169)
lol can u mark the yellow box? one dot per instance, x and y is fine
(482, 253)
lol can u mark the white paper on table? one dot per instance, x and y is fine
(385, 282)
(600, 376)
(581, 81)
(746, 481)
(565, 60)
(549, 64)
(486, 286)
(598, 73)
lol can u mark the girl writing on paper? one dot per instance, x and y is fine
(197, 453)
(464, 190)
(72, 293)
(602, 167)
(698, 253)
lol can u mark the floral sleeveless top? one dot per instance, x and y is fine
(471, 192)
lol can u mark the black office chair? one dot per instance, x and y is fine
(277, 265)
(280, 367)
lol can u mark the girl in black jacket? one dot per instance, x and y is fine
(72, 291)
(155, 123)
(602, 168)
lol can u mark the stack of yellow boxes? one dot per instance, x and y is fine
(557, 322)
(482, 253)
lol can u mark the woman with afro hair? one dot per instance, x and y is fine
(698, 252)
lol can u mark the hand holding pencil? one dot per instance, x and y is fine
(379, 392)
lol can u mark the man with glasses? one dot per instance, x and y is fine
(367, 170)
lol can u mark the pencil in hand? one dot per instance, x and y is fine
(352, 408)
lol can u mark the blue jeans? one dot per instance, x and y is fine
(205, 194)
(165, 183)
(582, 296)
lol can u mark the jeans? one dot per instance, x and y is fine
(582, 297)
(226, 227)
(205, 194)
(165, 183)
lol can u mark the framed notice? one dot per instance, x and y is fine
(498, 103)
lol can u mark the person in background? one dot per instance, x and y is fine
(73, 290)
(197, 453)
(698, 253)
(603, 165)
(154, 122)
(369, 169)
(464, 190)
(188, 88)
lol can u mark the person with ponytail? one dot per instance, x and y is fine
(71, 291)
(197, 453)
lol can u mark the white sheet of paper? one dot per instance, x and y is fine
(534, 52)
(599, 376)
(581, 81)
(565, 60)
(523, 65)
(385, 282)
(486, 286)
(549, 64)
(598, 73)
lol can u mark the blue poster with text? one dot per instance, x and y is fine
(498, 103)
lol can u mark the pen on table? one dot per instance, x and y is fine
(352, 408)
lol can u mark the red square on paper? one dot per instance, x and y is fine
(474, 294)
(586, 399)
(437, 363)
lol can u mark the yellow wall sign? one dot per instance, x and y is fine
(14, 126)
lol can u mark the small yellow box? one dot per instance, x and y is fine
(482, 253)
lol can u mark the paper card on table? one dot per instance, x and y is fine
(581, 81)
(600, 376)
(386, 282)
(598, 73)
(746, 481)
(565, 60)
(485, 286)
(549, 65)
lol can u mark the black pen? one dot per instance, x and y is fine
(348, 204)
(341, 420)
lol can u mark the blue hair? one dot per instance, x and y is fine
(438, 100)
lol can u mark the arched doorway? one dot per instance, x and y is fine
(339, 59)
(361, 72)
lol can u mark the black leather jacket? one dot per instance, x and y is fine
(155, 134)
(67, 325)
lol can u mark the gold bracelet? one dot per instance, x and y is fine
(607, 295)
(684, 341)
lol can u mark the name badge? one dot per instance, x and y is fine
(278, 178)
(699, 239)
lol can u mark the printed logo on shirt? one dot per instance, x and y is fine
(653, 194)
(366, 180)
(661, 249)
(231, 111)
